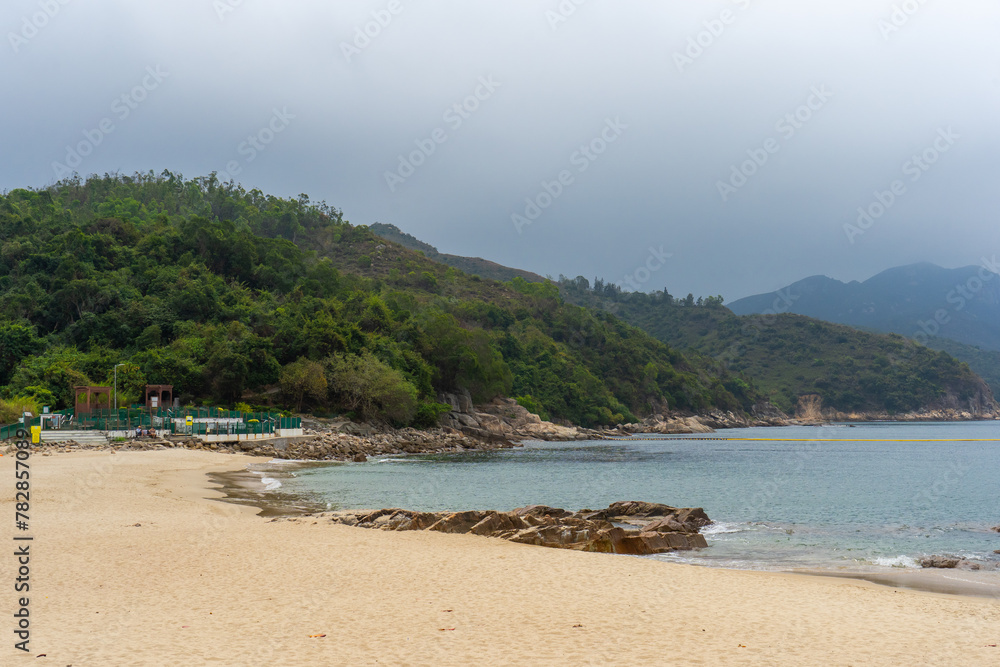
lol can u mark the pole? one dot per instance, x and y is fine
(117, 415)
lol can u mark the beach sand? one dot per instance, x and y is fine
(133, 564)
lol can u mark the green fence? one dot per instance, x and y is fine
(11, 431)
(204, 421)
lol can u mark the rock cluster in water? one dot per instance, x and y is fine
(630, 527)
(955, 562)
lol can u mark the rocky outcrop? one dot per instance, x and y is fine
(504, 418)
(763, 414)
(631, 527)
(954, 562)
(666, 425)
(940, 562)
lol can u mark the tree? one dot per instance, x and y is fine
(17, 341)
(301, 379)
(366, 385)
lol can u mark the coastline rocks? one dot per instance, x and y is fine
(941, 562)
(950, 406)
(762, 414)
(505, 419)
(644, 528)
(954, 562)
(653, 516)
(667, 425)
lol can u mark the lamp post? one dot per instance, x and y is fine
(117, 420)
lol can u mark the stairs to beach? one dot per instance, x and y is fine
(82, 437)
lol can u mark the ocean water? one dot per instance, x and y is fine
(780, 500)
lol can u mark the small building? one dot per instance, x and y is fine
(89, 399)
(159, 395)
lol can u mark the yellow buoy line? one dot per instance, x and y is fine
(823, 439)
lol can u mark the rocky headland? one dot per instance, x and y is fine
(629, 527)
(979, 407)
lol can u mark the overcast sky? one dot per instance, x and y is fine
(590, 137)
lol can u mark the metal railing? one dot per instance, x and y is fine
(169, 421)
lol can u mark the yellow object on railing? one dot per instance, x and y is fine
(36, 434)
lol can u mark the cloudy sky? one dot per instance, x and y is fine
(739, 137)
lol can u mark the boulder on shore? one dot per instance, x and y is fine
(954, 562)
(942, 562)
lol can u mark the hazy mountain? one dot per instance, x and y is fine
(918, 301)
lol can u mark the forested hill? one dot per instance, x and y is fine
(476, 266)
(241, 297)
(791, 355)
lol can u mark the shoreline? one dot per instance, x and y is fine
(138, 563)
(245, 488)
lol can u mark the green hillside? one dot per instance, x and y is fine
(236, 296)
(984, 363)
(475, 266)
(791, 355)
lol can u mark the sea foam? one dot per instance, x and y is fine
(270, 484)
(897, 561)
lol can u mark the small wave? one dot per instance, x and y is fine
(720, 528)
(897, 561)
(270, 483)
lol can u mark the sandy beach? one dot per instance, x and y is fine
(135, 562)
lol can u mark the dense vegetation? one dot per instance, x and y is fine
(791, 355)
(238, 297)
(954, 310)
(984, 363)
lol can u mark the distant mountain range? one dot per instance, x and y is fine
(954, 310)
(919, 301)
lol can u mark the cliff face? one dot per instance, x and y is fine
(981, 403)
(952, 405)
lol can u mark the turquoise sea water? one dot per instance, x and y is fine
(777, 504)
